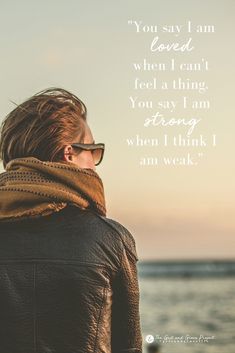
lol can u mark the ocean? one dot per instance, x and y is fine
(188, 306)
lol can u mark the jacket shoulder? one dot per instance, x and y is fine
(124, 234)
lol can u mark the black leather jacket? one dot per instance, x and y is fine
(68, 284)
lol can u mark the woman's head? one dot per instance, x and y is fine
(45, 126)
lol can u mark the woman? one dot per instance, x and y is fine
(68, 274)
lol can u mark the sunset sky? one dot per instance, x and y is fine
(174, 212)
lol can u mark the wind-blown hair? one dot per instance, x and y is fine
(42, 125)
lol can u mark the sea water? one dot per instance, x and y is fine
(183, 302)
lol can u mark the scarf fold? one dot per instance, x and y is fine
(31, 187)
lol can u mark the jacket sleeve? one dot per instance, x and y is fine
(126, 328)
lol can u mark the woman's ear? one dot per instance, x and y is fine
(67, 156)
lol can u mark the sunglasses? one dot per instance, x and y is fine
(97, 150)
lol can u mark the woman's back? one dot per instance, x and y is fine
(68, 284)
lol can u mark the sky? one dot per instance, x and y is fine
(173, 212)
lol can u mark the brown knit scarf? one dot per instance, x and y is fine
(31, 187)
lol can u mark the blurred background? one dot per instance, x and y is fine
(181, 217)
